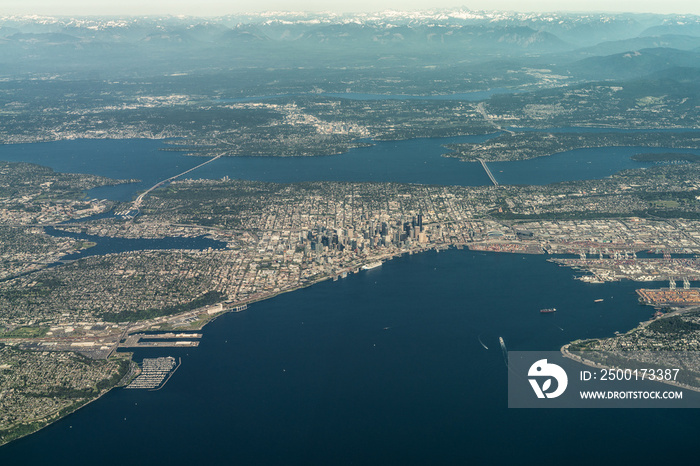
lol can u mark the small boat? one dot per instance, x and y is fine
(548, 310)
(504, 350)
(598, 300)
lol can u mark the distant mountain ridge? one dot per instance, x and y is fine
(634, 64)
(511, 48)
(577, 30)
(673, 41)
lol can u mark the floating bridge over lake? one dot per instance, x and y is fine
(488, 172)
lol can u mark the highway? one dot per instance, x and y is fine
(480, 108)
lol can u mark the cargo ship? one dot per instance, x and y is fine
(548, 310)
(371, 265)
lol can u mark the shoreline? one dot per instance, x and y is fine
(231, 306)
(586, 362)
(71, 409)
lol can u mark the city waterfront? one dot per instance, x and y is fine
(382, 367)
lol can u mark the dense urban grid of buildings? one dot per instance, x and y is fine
(279, 237)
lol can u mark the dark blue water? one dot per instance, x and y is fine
(421, 161)
(108, 245)
(599, 129)
(578, 164)
(410, 161)
(314, 378)
(114, 158)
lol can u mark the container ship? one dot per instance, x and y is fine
(548, 310)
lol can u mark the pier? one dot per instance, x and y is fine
(670, 296)
(169, 340)
(488, 172)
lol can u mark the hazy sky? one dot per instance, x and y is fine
(222, 7)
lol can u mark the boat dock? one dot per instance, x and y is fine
(155, 373)
(488, 172)
(169, 340)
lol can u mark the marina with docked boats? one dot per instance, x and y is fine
(155, 373)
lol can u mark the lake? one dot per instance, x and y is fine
(411, 161)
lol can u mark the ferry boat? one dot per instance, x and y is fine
(548, 310)
(372, 265)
